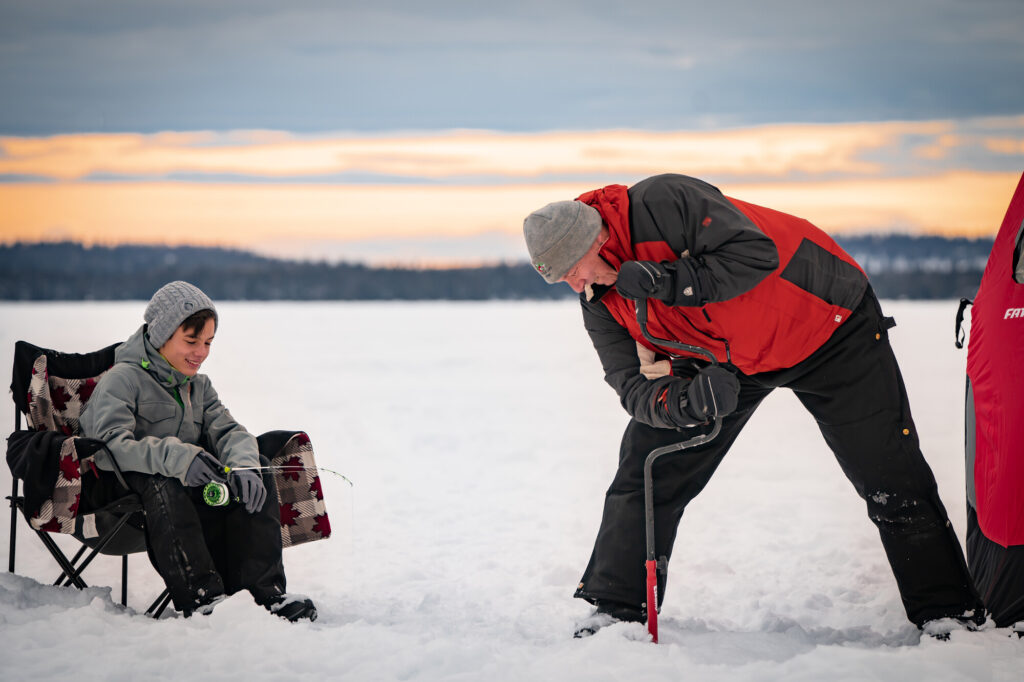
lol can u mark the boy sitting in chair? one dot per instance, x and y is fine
(171, 435)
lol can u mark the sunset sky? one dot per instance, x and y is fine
(424, 132)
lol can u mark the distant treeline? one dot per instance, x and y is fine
(899, 267)
(69, 271)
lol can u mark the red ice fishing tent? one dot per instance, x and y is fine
(995, 424)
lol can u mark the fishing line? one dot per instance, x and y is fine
(217, 494)
(228, 470)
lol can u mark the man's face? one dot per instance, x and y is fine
(592, 269)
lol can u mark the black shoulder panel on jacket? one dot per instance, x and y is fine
(825, 275)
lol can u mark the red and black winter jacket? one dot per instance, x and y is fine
(760, 289)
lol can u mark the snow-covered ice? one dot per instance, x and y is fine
(480, 438)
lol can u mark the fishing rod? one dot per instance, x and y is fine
(217, 494)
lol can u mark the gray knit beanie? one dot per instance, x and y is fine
(558, 235)
(171, 305)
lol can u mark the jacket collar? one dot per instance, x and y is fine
(612, 202)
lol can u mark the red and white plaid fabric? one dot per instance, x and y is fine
(55, 404)
(303, 512)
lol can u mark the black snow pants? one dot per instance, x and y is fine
(200, 551)
(853, 388)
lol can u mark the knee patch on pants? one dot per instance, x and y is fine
(900, 513)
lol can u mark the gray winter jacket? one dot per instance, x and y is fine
(135, 409)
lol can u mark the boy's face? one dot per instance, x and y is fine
(187, 351)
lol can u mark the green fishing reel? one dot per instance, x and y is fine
(216, 494)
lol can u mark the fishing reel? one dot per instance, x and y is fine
(216, 494)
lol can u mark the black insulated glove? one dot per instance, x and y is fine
(203, 469)
(248, 487)
(713, 392)
(645, 279)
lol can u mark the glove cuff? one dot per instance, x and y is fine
(685, 290)
(677, 408)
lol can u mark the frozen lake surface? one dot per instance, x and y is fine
(480, 438)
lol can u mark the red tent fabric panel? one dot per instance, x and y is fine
(995, 365)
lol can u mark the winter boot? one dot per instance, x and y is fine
(940, 628)
(291, 607)
(205, 604)
(607, 613)
(206, 607)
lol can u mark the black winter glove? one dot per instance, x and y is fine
(713, 392)
(247, 486)
(645, 279)
(203, 469)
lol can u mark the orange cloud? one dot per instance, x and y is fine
(767, 150)
(238, 214)
(956, 203)
(1005, 145)
(854, 176)
(969, 203)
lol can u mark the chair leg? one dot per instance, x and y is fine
(14, 502)
(158, 606)
(124, 580)
(97, 549)
(73, 561)
(48, 542)
(59, 557)
(14, 524)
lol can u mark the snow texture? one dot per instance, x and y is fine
(480, 438)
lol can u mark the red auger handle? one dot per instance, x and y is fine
(652, 599)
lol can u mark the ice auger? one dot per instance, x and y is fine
(653, 562)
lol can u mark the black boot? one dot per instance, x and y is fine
(940, 628)
(291, 607)
(606, 613)
(204, 605)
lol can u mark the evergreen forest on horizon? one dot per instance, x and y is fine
(899, 266)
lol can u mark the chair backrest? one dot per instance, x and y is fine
(51, 388)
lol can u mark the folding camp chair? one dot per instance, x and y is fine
(51, 388)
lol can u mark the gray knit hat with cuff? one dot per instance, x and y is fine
(558, 235)
(171, 305)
